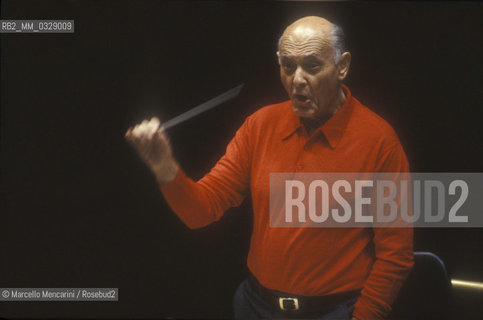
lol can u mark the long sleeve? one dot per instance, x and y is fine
(200, 203)
(393, 248)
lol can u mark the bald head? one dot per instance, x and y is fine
(313, 65)
(313, 33)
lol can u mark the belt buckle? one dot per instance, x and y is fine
(294, 300)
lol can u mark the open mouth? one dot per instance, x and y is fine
(302, 99)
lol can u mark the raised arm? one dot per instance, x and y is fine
(196, 203)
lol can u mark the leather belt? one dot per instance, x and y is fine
(290, 302)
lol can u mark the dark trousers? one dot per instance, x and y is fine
(248, 304)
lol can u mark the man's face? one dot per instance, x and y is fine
(309, 73)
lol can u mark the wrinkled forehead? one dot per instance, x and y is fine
(305, 41)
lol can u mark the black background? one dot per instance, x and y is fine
(79, 209)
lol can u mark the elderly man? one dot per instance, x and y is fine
(334, 273)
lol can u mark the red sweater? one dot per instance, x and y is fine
(306, 261)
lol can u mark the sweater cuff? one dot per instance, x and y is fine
(363, 310)
(175, 190)
(180, 176)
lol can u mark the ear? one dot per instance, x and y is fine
(278, 57)
(343, 65)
